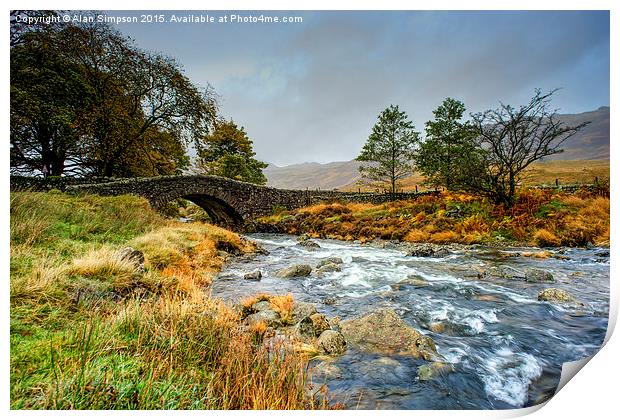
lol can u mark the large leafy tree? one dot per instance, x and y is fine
(136, 94)
(447, 150)
(509, 140)
(389, 150)
(127, 112)
(48, 96)
(228, 152)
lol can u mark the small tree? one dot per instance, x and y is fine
(509, 140)
(389, 150)
(228, 152)
(446, 151)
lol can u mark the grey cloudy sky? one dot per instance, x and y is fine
(311, 91)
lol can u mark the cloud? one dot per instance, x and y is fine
(312, 91)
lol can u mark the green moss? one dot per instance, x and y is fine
(550, 208)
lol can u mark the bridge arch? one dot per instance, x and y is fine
(219, 211)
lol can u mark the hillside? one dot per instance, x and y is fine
(313, 175)
(585, 155)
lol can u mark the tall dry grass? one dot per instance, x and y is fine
(88, 331)
(539, 217)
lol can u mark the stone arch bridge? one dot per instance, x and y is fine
(226, 201)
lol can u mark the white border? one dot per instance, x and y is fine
(592, 395)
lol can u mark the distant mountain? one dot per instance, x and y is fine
(300, 176)
(591, 143)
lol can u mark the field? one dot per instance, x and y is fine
(91, 330)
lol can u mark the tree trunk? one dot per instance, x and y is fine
(511, 190)
(58, 166)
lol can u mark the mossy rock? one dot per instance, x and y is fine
(384, 332)
(296, 270)
(554, 295)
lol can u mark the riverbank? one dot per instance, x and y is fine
(539, 218)
(109, 311)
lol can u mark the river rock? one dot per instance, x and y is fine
(383, 332)
(254, 275)
(334, 322)
(332, 342)
(437, 327)
(413, 280)
(327, 370)
(330, 260)
(269, 316)
(302, 310)
(503, 272)
(262, 305)
(296, 270)
(534, 275)
(259, 250)
(328, 268)
(320, 322)
(431, 370)
(329, 300)
(426, 250)
(308, 244)
(312, 326)
(133, 256)
(557, 296)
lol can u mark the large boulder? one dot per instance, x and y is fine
(557, 296)
(295, 270)
(383, 332)
(534, 275)
(332, 342)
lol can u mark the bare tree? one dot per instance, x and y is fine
(510, 139)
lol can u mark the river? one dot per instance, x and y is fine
(506, 347)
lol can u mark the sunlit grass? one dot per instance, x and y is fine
(89, 331)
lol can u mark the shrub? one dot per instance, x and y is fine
(283, 305)
(416, 235)
(542, 237)
(444, 237)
